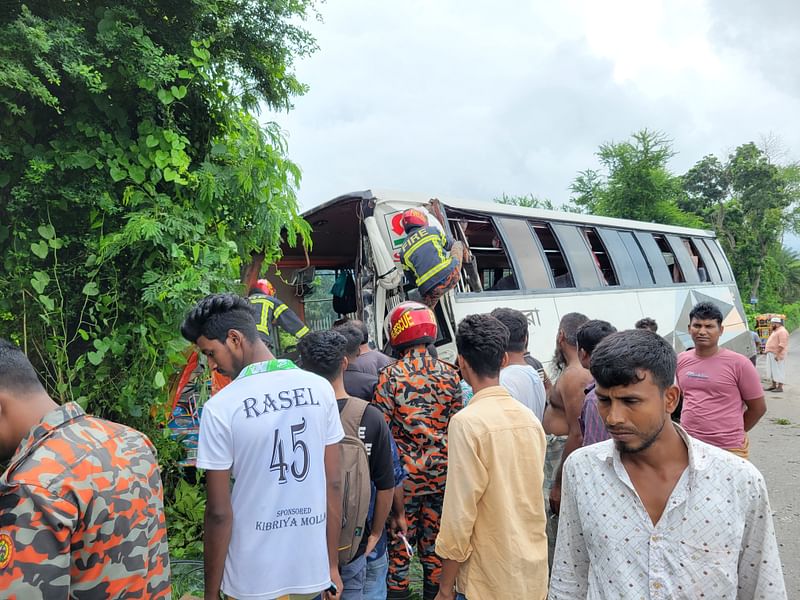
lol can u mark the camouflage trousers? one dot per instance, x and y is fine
(423, 514)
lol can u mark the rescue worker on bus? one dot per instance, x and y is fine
(424, 253)
(269, 311)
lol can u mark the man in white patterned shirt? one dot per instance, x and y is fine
(654, 513)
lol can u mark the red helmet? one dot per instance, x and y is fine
(411, 323)
(414, 218)
(265, 287)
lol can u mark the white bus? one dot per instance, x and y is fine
(543, 263)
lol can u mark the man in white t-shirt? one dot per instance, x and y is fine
(274, 429)
(518, 377)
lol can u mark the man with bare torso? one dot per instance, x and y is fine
(561, 417)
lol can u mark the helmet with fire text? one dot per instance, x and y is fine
(411, 323)
(414, 218)
(263, 286)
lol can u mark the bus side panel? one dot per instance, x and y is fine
(669, 306)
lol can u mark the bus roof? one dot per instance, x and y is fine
(495, 208)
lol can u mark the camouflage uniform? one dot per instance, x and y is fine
(418, 394)
(81, 513)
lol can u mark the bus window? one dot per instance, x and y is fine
(720, 260)
(697, 260)
(559, 268)
(687, 262)
(601, 258)
(628, 269)
(669, 257)
(494, 269)
(658, 266)
(318, 313)
(706, 260)
(580, 260)
(643, 269)
(532, 270)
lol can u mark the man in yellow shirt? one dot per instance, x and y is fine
(492, 538)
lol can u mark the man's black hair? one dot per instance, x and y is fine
(706, 311)
(322, 352)
(517, 325)
(352, 333)
(217, 314)
(16, 371)
(482, 340)
(364, 331)
(569, 325)
(647, 323)
(592, 333)
(621, 358)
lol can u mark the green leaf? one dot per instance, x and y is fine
(169, 174)
(47, 302)
(162, 159)
(82, 401)
(158, 380)
(85, 160)
(39, 281)
(48, 232)
(165, 96)
(184, 74)
(118, 174)
(179, 91)
(196, 252)
(40, 249)
(137, 173)
(4, 179)
(56, 243)
(147, 84)
(90, 289)
(84, 335)
(151, 141)
(95, 357)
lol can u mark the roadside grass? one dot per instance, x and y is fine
(782, 421)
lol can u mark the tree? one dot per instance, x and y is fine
(637, 183)
(750, 202)
(135, 178)
(527, 201)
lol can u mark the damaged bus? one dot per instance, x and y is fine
(543, 263)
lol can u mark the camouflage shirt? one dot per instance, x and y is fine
(418, 394)
(81, 513)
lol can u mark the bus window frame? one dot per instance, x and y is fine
(681, 254)
(532, 224)
(619, 255)
(712, 270)
(720, 259)
(519, 256)
(636, 247)
(652, 253)
(578, 256)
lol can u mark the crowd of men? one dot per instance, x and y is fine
(627, 477)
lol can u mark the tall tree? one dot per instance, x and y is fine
(527, 201)
(750, 202)
(135, 178)
(637, 183)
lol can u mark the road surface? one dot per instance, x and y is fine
(775, 450)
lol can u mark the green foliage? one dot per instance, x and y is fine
(134, 179)
(751, 203)
(185, 520)
(637, 184)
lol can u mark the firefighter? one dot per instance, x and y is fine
(271, 311)
(418, 394)
(424, 253)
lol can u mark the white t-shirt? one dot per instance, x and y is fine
(270, 426)
(525, 385)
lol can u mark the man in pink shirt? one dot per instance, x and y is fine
(722, 394)
(777, 345)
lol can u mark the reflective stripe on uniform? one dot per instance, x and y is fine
(266, 308)
(443, 262)
(301, 332)
(279, 310)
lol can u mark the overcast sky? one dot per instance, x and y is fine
(472, 99)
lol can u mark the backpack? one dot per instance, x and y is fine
(344, 294)
(355, 479)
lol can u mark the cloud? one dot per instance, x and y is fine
(472, 99)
